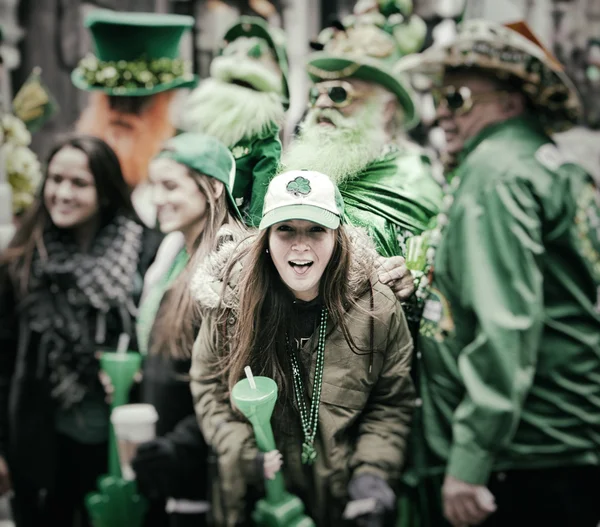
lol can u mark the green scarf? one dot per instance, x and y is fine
(151, 303)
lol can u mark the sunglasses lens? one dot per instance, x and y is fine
(338, 94)
(454, 100)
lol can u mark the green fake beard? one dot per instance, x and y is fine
(230, 112)
(342, 152)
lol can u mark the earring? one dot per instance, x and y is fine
(267, 251)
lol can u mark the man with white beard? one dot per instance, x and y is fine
(355, 132)
(243, 105)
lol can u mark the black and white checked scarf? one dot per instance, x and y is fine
(70, 295)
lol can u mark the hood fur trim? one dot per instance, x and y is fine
(207, 281)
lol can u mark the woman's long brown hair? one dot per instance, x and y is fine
(174, 330)
(265, 308)
(114, 197)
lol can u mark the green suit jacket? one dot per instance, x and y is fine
(257, 160)
(394, 198)
(510, 337)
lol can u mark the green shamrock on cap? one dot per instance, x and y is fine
(299, 186)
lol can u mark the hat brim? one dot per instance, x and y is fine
(436, 61)
(233, 205)
(365, 71)
(181, 82)
(317, 215)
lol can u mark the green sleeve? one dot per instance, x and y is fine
(262, 173)
(385, 422)
(501, 237)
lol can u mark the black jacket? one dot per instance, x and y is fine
(166, 386)
(27, 411)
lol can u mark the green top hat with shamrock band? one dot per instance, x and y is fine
(136, 54)
(250, 26)
(367, 52)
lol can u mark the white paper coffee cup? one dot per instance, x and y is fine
(133, 424)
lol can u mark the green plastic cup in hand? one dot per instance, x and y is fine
(416, 250)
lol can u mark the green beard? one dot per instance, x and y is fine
(231, 113)
(342, 152)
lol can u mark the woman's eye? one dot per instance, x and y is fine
(80, 183)
(55, 178)
(317, 229)
(284, 228)
(169, 185)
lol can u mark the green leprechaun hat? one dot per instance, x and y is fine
(250, 26)
(136, 54)
(366, 47)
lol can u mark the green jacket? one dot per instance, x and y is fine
(257, 160)
(394, 198)
(510, 337)
(363, 417)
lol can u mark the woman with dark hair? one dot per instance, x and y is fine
(69, 285)
(300, 302)
(192, 182)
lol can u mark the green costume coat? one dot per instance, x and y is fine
(394, 198)
(256, 159)
(510, 337)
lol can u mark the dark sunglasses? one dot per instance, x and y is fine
(340, 93)
(461, 100)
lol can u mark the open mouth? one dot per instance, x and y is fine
(325, 120)
(243, 84)
(300, 267)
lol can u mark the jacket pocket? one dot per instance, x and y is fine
(343, 397)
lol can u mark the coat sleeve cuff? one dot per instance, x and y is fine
(470, 464)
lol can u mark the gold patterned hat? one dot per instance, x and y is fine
(513, 53)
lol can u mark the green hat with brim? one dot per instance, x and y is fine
(323, 66)
(251, 26)
(136, 54)
(204, 154)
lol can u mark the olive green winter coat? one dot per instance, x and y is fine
(363, 416)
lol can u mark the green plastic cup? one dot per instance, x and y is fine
(416, 251)
(121, 369)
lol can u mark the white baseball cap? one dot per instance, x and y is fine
(302, 195)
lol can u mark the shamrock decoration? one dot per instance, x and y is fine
(299, 186)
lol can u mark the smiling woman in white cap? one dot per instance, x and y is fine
(297, 303)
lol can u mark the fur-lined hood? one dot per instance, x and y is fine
(207, 282)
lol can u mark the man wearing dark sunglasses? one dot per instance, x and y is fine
(510, 336)
(355, 132)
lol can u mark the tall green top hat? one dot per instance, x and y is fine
(250, 26)
(366, 46)
(136, 54)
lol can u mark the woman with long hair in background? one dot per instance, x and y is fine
(69, 286)
(192, 178)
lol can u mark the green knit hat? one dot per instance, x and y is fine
(251, 26)
(206, 155)
(366, 46)
(136, 54)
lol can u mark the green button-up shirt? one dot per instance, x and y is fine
(510, 337)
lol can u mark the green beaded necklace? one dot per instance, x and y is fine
(310, 419)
